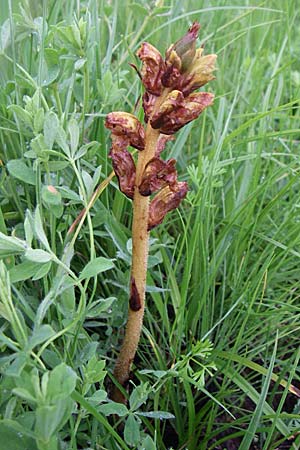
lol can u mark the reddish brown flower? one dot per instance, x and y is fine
(172, 75)
(167, 199)
(177, 110)
(148, 104)
(157, 174)
(124, 168)
(127, 125)
(161, 143)
(153, 68)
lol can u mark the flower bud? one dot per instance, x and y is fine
(185, 48)
(153, 67)
(177, 110)
(124, 124)
(124, 168)
(167, 199)
(157, 174)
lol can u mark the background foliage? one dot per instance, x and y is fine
(220, 343)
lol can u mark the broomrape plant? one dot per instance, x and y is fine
(169, 103)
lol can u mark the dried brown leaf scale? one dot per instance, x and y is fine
(134, 300)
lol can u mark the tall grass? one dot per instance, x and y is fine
(219, 352)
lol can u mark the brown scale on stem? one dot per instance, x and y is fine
(169, 103)
(134, 299)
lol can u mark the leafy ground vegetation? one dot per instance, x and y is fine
(217, 366)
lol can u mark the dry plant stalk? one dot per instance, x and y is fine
(169, 103)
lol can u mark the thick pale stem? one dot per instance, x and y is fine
(139, 266)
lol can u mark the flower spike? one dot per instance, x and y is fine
(169, 103)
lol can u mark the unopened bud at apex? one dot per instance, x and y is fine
(185, 48)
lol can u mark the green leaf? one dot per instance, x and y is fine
(15, 369)
(38, 256)
(73, 130)
(42, 271)
(24, 394)
(96, 266)
(38, 121)
(51, 444)
(148, 444)
(55, 166)
(79, 64)
(10, 245)
(38, 149)
(100, 306)
(161, 415)
(18, 169)
(98, 397)
(67, 302)
(92, 410)
(132, 433)
(51, 126)
(139, 396)
(51, 68)
(5, 35)
(61, 139)
(49, 419)
(39, 230)
(28, 228)
(88, 182)
(94, 371)
(113, 408)
(23, 271)
(40, 335)
(22, 115)
(69, 194)
(15, 436)
(51, 195)
(62, 382)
